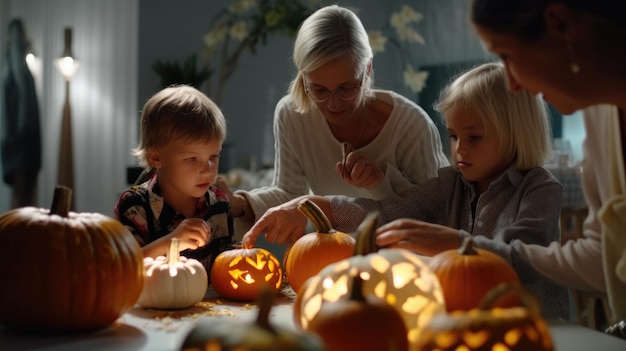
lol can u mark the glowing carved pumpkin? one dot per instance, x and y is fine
(174, 281)
(467, 274)
(396, 276)
(66, 271)
(239, 274)
(314, 251)
(487, 328)
(360, 322)
(218, 334)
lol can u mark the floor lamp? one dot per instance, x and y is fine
(67, 65)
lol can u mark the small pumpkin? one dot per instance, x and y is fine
(240, 274)
(173, 281)
(260, 335)
(490, 328)
(359, 322)
(396, 276)
(314, 251)
(468, 273)
(66, 271)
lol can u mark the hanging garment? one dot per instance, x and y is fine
(20, 127)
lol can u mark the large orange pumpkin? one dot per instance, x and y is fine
(314, 251)
(467, 274)
(66, 271)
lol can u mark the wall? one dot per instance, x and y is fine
(173, 30)
(103, 94)
(118, 40)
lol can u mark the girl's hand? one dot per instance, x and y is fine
(282, 224)
(358, 170)
(192, 233)
(423, 238)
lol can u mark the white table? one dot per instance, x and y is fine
(152, 330)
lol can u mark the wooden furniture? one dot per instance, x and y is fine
(591, 309)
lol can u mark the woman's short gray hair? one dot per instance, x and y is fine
(331, 32)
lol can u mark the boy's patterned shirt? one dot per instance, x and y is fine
(142, 209)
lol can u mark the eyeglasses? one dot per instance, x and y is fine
(323, 94)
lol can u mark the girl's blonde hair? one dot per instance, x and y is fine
(327, 34)
(519, 120)
(178, 113)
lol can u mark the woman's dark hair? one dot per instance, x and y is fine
(524, 18)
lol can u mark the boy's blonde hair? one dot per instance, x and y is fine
(519, 120)
(329, 33)
(175, 113)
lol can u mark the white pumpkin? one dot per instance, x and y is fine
(173, 282)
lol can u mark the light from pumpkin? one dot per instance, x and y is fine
(490, 328)
(231, 334)
(396, 276)
(359, 322)
(467, 274)
(240, 274)
(173, 281)
(314, 251)
(67, 271)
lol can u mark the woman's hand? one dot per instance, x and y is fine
(358, 170)
(423, 238)
(282, 224)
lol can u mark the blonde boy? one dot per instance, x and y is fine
(182, 132)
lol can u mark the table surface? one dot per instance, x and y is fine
(157, 330)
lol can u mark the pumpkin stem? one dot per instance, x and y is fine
(173, 255)
(61, 201)
(266, 299)
(528, 299)
(315, 215)
(366, 235)
(467, 248)
(357, 289)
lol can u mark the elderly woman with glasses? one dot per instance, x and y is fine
(334, 133)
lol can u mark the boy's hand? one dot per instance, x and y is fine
(192, 233)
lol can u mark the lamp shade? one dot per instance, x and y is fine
(67, 63)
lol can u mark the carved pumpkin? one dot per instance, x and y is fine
(359, 322)
(173, 281)
(397, 276)
(219, 334)
(314, 251)
(488, 328)
(468, 273)
(239, 274)
(66, 271)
